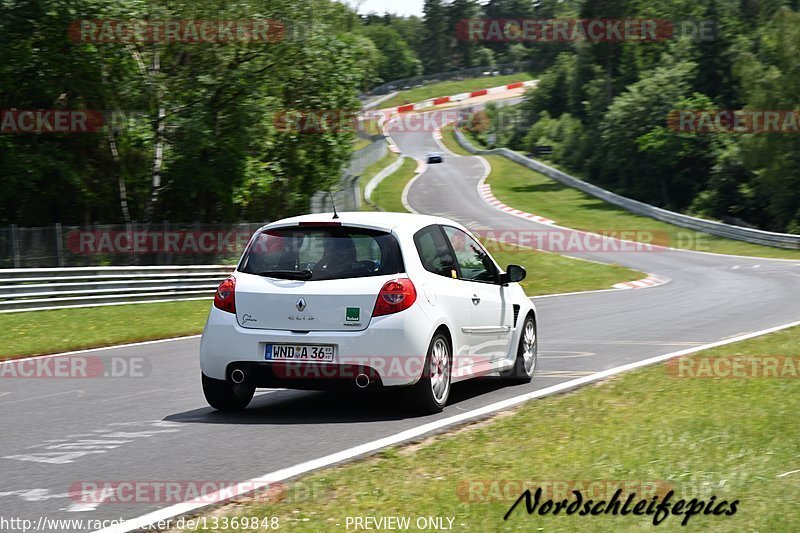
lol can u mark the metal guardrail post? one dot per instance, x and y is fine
(15, 245)
(59, 245)
(135, 259)
(355, 192)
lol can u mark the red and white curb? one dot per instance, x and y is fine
(431, 102)
(485, 190)
(383, 123)
(649, 281)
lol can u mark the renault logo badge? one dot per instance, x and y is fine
(301, 305)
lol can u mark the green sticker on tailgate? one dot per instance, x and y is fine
(353, 314)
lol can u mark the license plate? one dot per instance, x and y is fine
(298, 352)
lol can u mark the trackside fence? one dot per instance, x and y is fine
(57, 288)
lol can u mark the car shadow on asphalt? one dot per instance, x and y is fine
(283, 407)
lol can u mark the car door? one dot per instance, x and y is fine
(491, 313)
(443, 289)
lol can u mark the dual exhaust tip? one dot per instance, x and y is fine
(238, 376)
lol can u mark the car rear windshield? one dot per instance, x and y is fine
(320, 253)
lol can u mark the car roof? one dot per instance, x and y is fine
(386, 221)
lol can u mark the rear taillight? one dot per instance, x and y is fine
(225, 297)
(395, 295)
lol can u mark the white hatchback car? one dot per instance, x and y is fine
(363, 300)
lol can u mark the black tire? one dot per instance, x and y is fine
(226, 396)
(524, 364)
(423, 396)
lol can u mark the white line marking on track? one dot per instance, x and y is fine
(80, 394)
(90, 350)
(573, 293)
(409, 434)
(789, 473)
(571, 354)
(404, 197)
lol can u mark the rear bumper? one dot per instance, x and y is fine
(308, 376)
(391, 351)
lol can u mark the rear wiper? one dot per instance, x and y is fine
(287, 274)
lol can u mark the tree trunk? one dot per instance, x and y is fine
(158, 142)
(123, 189)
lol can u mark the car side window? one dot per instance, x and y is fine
(473, 262)
(434, 252)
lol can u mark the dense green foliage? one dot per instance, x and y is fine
(604, 110)
(195, 136)
(191, 131)
(223, 158)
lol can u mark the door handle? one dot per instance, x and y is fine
(475, 299)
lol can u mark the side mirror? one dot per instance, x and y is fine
(513, 274)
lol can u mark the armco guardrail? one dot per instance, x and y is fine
(755, 236)
(31, 289)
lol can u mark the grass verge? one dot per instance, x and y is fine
(43, 332)
(389, 193)
(552, 273)
(527, 190)
(449, 140)
(449, 88)
(370, 173)
(637, 431)
(547, 273)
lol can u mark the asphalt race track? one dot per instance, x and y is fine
(59, 432)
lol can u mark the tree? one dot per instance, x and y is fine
(459, 12)
(484, 57)
(201, 143)
(642, 154)
(435, 51)
(770, 81)
(396, 59)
